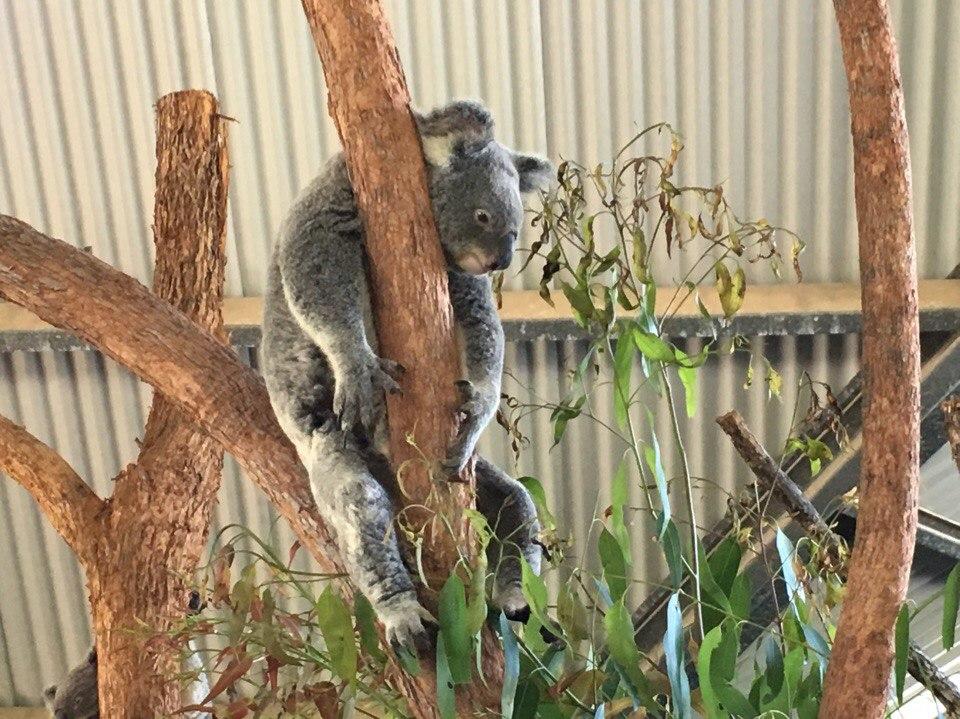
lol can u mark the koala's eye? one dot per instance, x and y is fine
(481, 216)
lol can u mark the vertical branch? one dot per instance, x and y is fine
(370, 105)
(160, 511)
(859, 672)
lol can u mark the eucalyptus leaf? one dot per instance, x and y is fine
(673, 652)
(901, 645)
(951, 602)
(452, 615)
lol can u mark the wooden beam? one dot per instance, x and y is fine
(787, 309)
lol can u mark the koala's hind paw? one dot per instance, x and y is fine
(408, 625)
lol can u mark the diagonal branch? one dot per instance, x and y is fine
(951, 423)
(67, 501)
(119, 316)
(774, 480)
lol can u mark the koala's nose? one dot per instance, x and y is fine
(505, 255)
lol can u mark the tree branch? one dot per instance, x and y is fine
(857, 679)
(65, 499)
(951, 423)
(774, 480)
(113, 312)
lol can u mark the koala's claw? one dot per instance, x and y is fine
(358, 397)
(408, 625)
(473, 408)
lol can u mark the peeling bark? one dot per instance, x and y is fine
(858, 675)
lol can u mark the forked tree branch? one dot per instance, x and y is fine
(68, 503)
(73, 290)
(774, 480)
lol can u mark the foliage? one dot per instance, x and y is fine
(280, 637)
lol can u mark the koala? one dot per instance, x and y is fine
(327, 382)
(76, 697)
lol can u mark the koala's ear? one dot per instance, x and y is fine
(49, 695)
(535, 172)
(444, 129)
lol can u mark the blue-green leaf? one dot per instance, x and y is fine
(452, 615)
(673, 653)
(794, 588)
(673, 553)
(511, 667)
(901, 642)
(446, 696)
(951, 601)
(655, 462)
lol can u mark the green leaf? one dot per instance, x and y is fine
(533, 486)
(735, 702)
(511, 667)
(740, 596)
(477, 596)
(688, 378)
(535, 592)
(573, 615)
(773, 379)
(452, 615)
(622, 370)
(623, 646)
(446, 694)
(951, 601)
(614, 564)
(724, 562)
(673, 553)
(579, 298)
(618, 500)
(901, 642)
(794, 588)
(673, 643)
(710, 642)
(366, 626)
(333, 618)
(654, 348)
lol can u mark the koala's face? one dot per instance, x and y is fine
(475, 186)
(76, 696)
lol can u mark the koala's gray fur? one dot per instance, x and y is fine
(75, 697)
(327, 383)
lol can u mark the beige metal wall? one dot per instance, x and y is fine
(756, 87)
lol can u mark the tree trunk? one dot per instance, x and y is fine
(858, 675)
(370, 104)
(159, 514)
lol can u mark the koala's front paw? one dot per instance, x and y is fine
(475, 408)
(358, 397)
(408, 625)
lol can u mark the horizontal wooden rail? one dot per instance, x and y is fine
(786, 309)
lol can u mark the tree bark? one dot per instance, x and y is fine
(370, 105)
(858, 675)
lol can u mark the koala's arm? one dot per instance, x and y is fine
(482, 336)
(321, 262)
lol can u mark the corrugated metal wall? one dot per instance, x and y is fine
(757, 89)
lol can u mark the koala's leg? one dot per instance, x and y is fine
(509, 510)
(359, 510)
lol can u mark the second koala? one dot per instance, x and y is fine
(327, 382)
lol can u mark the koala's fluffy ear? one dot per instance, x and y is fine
(49, 694)
(535, 172)
(443, 129)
